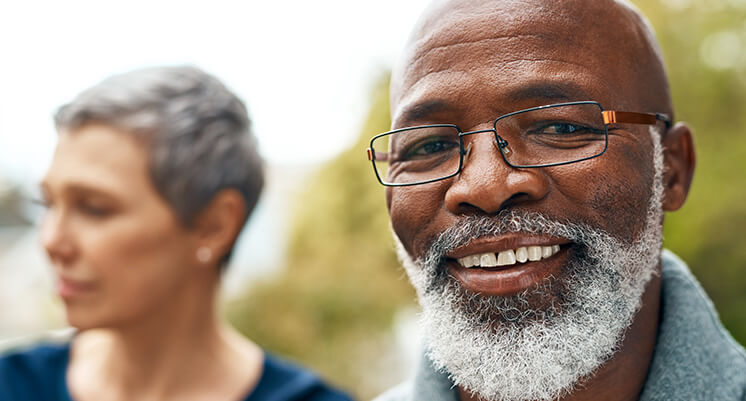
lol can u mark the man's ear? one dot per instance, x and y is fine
(219, 223)
(679, 160)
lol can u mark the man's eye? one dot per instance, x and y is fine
(431, 147)
(566, 129)
(562, 128)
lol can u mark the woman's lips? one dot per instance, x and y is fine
(68, 288)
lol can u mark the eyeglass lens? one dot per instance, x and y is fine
(531, 138)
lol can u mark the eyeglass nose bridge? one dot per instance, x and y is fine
(500, 143)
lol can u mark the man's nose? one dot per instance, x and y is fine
(55, 238)
(488, 184)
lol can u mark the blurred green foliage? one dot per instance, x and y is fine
(704, 46)
(341, 285)
(339, 291)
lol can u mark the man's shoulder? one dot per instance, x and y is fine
(688, 309)
(695, 356)
(401, 392)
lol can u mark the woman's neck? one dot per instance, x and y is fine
(174, 353)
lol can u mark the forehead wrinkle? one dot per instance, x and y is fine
(638, 77)
(496, 52)
(502, 67)
(469, 21)
(454, 25)
(425, 51)
(496, 47)
(558, 80)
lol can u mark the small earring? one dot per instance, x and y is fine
(204, 254)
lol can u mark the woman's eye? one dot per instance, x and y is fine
(94, 210)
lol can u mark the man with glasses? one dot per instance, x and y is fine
(533, 152)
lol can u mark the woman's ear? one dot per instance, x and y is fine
(679, 161)
(217, 226)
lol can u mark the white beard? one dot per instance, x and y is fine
(518, 347)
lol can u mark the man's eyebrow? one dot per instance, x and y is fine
(550, 91)
(542, 92)
(423, 111)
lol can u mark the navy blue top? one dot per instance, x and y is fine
(39, 375)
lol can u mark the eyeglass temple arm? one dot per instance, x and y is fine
(611, 116)
(377, 156)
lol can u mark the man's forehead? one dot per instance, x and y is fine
(542, 83)
(586, 39)
(454, 22)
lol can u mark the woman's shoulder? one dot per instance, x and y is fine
(283, 380)
(33, 371)
(40, 358)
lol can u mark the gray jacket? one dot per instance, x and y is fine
(695, 357)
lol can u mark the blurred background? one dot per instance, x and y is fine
(314, 277)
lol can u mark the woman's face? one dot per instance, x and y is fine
(118, 250)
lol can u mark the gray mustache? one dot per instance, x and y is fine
(471, 228)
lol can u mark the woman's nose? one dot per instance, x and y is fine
(55, 237)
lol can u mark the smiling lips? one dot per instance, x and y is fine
(67, 288)
(509, 257)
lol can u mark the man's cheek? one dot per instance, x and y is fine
(413, 212)
(623, 199)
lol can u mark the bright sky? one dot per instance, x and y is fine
(303, 68)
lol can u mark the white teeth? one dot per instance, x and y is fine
(509, 256)
(546, 251)
(475, 260)
(506, 258)
(488, 260)
(467, 261)
(534, 253)
(470, 261)
(521, 254)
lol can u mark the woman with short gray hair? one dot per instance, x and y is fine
(155, 173)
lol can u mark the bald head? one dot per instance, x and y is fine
(606, 45)
(495, 121)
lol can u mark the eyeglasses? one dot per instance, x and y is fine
(543, 136)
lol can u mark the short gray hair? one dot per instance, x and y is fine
(197, 133)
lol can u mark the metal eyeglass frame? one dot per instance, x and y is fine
(609, 117)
